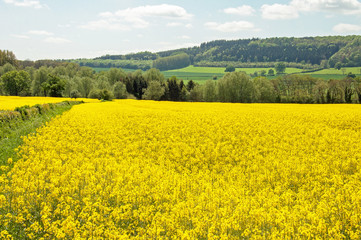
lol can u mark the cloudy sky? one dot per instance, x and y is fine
(54, 29)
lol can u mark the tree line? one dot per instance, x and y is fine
(305, 53)
(72, 80)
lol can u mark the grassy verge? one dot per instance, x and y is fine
(13, 132)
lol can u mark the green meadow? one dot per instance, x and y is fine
(202, 74)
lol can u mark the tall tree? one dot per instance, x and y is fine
(236, 87)
(54, 86)
(155, 91)
(280, 67)
(16, 83)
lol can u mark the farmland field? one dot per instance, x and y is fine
(201, 74)
(11, 102)
(145, 170)
(192, 69)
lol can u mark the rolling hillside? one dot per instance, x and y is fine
(305, 53)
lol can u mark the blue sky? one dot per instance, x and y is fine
(54, 29)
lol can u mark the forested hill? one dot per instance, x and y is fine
(307, 51)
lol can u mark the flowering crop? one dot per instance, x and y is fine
(145, 170)
(11, 102)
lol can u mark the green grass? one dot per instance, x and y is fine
(12, 138)
(332, 71)
(330, 76)
(202, 74)
(192, 69)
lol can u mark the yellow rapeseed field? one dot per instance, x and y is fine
(163, 170)
(11, 102)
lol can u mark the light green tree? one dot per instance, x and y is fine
(119, 90)
(210, 91)
(236, 87)
(154, 91)
(264, 90)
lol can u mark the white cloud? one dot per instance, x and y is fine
(279, 11)
(174, 24)
(179, 24)
(107, 24)
(347, 7)
(137, 17)
(41, 33)
(244, 10)
(346, 28)
(56, 40)
(184, 37)
(64, 25)
(231, 26)
(20, 36)
(25, 3)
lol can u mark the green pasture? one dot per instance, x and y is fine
(220, 70)
(342, 71)
(202, 74)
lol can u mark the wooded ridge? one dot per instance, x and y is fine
(305, 52)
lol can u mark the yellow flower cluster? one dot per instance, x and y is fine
(11, 102)
(164, 170)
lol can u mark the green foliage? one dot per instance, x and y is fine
(235, 87)
(16, 83)
(280, 67)
(13, 127)
(54, 86)
(115, 75)
(106, 95)
(136, 84)
(132, 56)
(41, 76)
(75, 94)
(348, 56)
(109, 63)
(210, 91)
(196, 94)
(155, 91)
(8, 57)
(230, 68)
(173, 89)
(271, 72)
(338, 65)
(94, 94)
(6, 68)
(103, 94)
(190, 85)
(264, 90)
(172, 62)
(120, 90)
(153, 75)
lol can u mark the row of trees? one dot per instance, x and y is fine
(72, 80)
(172, 62)
(239, 87)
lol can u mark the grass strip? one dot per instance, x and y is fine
(13, 136)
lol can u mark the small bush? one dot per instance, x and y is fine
(95, 94)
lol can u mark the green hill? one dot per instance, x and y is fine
(305, 53)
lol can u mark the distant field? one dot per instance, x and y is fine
(355, 70)
(202, 74)
(192, 69)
